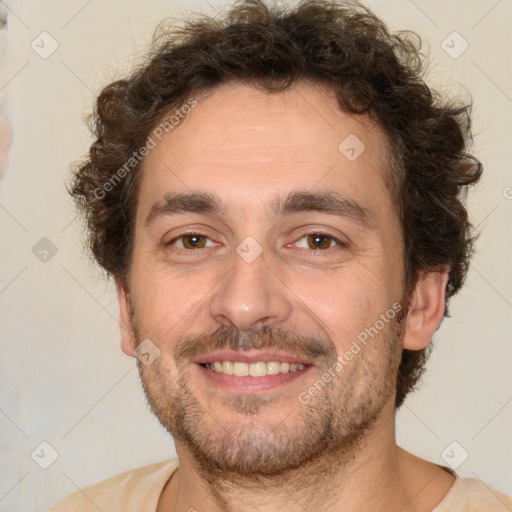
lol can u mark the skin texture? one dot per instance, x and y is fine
(268, 450)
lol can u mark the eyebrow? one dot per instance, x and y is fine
(332, 203)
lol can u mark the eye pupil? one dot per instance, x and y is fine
(193, 240)
(319, 241)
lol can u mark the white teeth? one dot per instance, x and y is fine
(241, 369)
(259, 369)
(228, 368)
(273, 368)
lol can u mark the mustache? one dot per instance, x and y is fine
(265, 338)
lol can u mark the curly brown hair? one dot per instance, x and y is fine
(341, 44)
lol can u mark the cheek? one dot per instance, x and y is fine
(348, 301)
(157, 291)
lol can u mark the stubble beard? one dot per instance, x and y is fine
(324, 435)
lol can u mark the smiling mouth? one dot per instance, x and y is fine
(256, 369)
(252, 371)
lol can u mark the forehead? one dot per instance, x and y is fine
(245, 144)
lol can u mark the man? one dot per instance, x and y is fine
(278, 197)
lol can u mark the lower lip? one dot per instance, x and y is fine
(250, 384)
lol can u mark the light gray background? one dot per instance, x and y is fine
(63, 377)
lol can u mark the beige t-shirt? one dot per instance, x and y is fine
(139, 490)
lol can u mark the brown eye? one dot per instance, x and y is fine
(193, 241)
(319, 241)
(189, 241)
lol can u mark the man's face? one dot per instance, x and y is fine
(205, 293)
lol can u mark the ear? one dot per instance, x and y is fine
(426, 309)
(125, 322)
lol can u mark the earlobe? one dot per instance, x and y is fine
(125, 321)
(426, 309)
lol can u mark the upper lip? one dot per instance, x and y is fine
(251, 356)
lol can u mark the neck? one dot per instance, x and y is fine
(376, 475)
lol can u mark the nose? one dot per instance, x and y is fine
(251, 296)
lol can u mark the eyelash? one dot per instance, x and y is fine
(339, 243)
